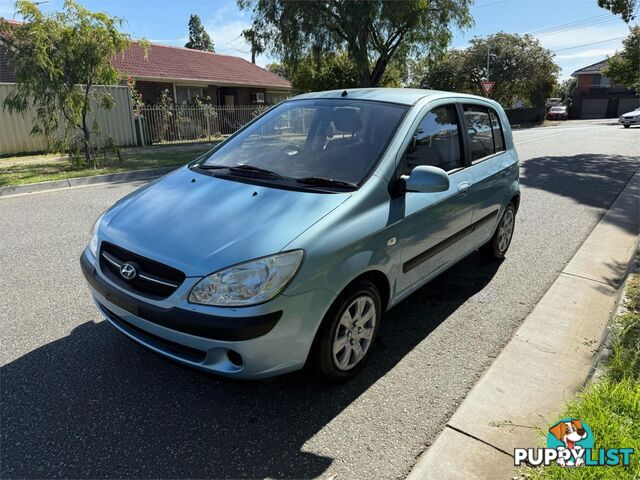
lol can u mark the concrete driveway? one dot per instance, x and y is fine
(79, 400)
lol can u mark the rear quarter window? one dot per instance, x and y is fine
(484, 131)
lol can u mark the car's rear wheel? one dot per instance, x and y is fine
(626, 126)
(497, 247)
(347, 333)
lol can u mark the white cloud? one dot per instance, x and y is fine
(592, 53)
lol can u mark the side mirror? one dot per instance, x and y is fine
(426, 179)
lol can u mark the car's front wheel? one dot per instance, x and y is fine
(497, 247)
(347, 333)
(626, 126)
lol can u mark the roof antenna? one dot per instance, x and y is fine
(344, 93)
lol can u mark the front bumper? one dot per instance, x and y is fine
(629, 121)
(268, 339)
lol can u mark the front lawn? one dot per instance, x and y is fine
(23, 170)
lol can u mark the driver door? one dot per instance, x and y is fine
(435, 225)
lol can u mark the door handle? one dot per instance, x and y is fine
(506, 168)
(462, 187)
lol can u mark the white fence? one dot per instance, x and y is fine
(15, 129)
(181, 124)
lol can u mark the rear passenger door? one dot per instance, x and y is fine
(435, 225)
(490, 167)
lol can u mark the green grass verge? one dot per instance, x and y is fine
(611, 406)
(20, 172)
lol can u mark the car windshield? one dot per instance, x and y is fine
(311, 141)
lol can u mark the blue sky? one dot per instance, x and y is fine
(164, 21)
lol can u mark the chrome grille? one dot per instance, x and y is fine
(150, 278)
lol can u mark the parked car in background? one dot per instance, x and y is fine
(630, 118)
(283, 246)
(558, 113)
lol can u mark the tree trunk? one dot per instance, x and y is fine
(86, 136)
(378, 71)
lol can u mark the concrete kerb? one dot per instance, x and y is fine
(82, 181)
(547, 360)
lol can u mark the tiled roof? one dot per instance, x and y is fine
(595, 68)
(183, 64)
(13, 23)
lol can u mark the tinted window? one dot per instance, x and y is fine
(498, 137)
(485, 131)
(436, 142)
(480, 131)
(339, 139)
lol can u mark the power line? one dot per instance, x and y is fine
(587, 44)
(563, 25)
(489, 4)
(576, 27)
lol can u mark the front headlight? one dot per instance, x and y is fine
(93, 244)
(249, 283)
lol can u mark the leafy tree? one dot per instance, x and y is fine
(330, 72)
(520, 66)
(563, 89)
(372, 33)
(199, 39)
(624, 8)
(257, 43)
(58, 60)
(624, 67)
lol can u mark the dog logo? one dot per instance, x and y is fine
(572, 435)
(570, 444)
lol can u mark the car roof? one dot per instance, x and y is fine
(405, 96)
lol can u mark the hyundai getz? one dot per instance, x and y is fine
(284, 245)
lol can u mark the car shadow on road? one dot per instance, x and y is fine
(95, 405)
(591, 179)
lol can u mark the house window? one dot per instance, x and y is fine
(257, 97)
(184, 94)
(600, 81)
(276, 97)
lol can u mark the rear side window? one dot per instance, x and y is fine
(498, 136)
(484, 130)
(436, 142)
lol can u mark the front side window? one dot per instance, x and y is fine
(312, 141)
(436, 142)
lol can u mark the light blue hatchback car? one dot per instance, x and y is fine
(283, 246)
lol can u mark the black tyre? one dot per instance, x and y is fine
(345, 338)
(626, 126)
(497, 247)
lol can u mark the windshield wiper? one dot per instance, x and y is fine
(242, 169)
(252, 169)
(205, 166)
(325, 182)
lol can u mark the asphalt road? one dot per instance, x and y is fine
(81, 401)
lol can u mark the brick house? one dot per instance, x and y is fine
(185, 73)
(6, 72)
(595, 96)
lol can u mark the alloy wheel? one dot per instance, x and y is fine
(354, 333)
(505, 230)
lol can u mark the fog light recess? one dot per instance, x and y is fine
(235, 358)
